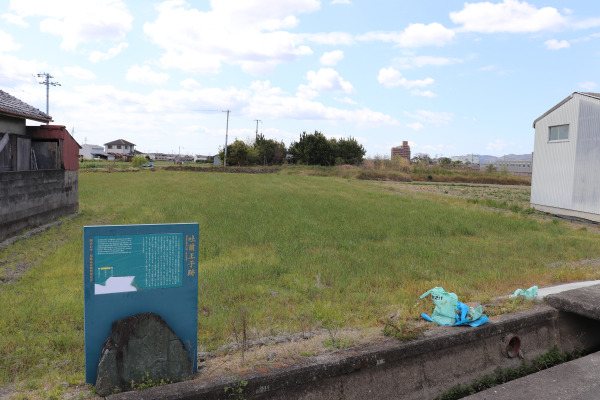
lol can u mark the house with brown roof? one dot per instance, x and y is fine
(566, 158)
(120, 146)
(38, 168)
(119, 149)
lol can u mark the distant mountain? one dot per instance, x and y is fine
(486, 159)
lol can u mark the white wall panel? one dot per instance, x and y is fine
(554, 162)
(586, 186)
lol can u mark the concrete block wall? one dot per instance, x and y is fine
(33, 198)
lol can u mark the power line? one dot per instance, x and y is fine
(48, 84)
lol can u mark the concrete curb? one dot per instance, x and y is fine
(393, 369)
(583, 301)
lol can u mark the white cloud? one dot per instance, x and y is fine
(14, 70)
(78, 21)
(329, 38)
(190, 84)
(435, 118)
(250, 34)
(331, 58)
(424, 93)
(145, 75)
(589, 85)
(273, 103)
(416, 126)
(305, 92)
(508, 16)
(97, 56)
(15, 20)
(554, 44)
(7, 43)
(80, 73)
(424, 61)
(488, 68)
(415, 35)
(390, 77)
(346, 100)
(586, 23)
(328, 80)
(341, 2)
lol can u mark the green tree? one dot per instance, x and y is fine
(316, 149)
(421, 158)
(269, 151)
(445, 162)
(491, 168)
(238, 153)
(348, 151)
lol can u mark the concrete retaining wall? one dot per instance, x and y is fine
(32, 198)
(420, 369)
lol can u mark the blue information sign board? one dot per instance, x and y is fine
(135, 269)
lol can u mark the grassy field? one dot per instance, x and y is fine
(280, 246)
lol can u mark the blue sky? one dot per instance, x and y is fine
(451, 77)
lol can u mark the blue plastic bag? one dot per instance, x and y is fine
(449, 311)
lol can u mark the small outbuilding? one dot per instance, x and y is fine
(38, 168)
(566, 159)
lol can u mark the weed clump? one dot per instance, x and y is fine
(403, 330)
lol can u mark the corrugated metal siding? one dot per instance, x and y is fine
(554, 162)
(586, 187)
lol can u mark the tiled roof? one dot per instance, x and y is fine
(120, 141)
(15, 107)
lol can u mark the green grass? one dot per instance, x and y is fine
(280, 246)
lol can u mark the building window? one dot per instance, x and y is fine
(119, 146)
(110, 146)
(560, 132)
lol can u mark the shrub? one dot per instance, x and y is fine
(138, 161)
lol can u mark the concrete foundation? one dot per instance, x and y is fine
(562, 212)
(32, 198)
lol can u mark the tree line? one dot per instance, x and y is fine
(310, 149)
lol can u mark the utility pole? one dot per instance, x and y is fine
(257, 121)
(48, 84)
(226, 133)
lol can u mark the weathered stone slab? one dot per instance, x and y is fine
(139, 348)
(583, 301)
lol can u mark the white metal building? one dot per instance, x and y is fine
(566, 158)
(89, 151)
